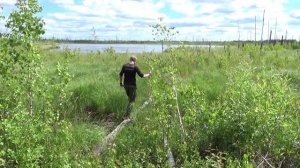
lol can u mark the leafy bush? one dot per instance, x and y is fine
(256, 115)
(33, 130)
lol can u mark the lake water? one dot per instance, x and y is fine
(121, 48)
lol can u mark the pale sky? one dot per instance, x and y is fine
(194, 19)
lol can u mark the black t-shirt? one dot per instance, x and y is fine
(129, 71)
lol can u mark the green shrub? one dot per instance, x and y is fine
(256, 115)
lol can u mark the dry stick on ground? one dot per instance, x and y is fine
(179, 114)
(184, 133)
(265, 160)
(268, 163)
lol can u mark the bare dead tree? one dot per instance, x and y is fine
(286, 32)
(94, 34)
(239, 36)
(262, 31)
(255, 31)
(275, 35)
(268, 29)
(270, 36)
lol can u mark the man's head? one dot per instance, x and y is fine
(132, 59)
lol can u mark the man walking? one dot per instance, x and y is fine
(129, 72)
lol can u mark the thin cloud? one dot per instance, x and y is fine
(4, 3)
(188, 24)
(194, 19)
(63, 2)
(247, 20)
(224, 10)
(295, 14)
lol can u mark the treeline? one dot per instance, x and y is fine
(131, 42)
(291, 42)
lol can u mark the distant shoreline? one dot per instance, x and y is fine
(220, 43)
(139, 42)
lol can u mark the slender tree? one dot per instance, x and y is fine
(30, 111)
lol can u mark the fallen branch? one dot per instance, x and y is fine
(266, 160)
(110, 137)
(100, 148)
(170, 154)
(145, 104)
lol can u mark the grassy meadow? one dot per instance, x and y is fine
(239, 107)
(236, 106)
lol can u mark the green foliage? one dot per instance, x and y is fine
(255, 110)
(210, 79)
(219, 108)
(111, 51)
(227, 107)
(251, 118)
(33, 130)
(163, 33)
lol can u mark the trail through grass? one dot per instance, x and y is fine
(205, 94)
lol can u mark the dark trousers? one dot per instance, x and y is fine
(131, 94)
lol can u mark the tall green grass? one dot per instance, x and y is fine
(97, 98)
